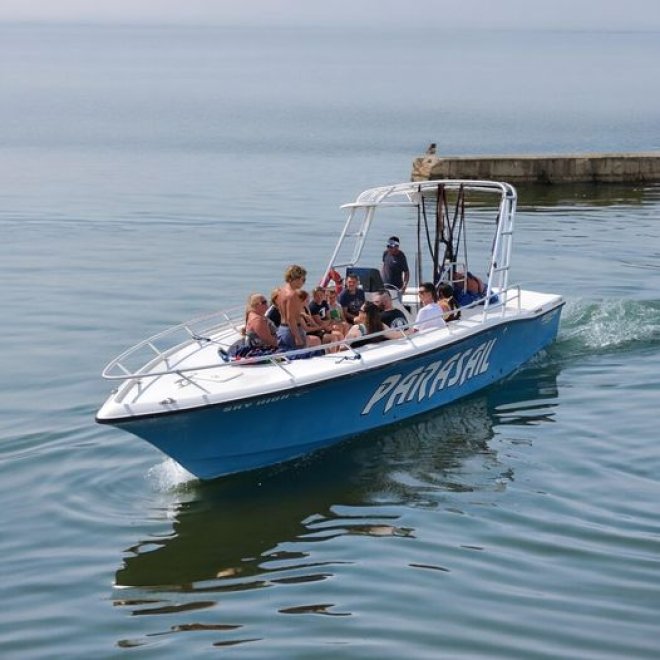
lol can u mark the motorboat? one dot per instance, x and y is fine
(216, 416)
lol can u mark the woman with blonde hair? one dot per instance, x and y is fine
(260, 331)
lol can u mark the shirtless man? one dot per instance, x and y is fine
(290, 334)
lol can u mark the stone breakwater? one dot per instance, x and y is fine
(571, 168)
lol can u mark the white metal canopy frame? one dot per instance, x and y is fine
(413, 195)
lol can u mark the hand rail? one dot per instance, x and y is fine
(407, 331)
(209, 325)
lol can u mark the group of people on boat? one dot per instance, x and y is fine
(339, 315)
(288, 322)
(294, 320)
(466, 289)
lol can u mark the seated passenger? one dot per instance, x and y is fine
(273, 312)
(468, 288)
(335, 311)
(311, 328)
(313, 325)
(351, 298)
(260, 332)
(368, 322)
(429, 315)
(448, 303)
(320, 311)
(389, 315)
(319, 308)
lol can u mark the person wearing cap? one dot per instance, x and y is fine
(430, 313)
(395, 265)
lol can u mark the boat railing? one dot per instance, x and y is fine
(500, 300)
(222, 329)
(410, 330)
(140, 359)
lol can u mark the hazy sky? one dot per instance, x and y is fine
(574, 14)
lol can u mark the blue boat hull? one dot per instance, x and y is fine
(233, 437)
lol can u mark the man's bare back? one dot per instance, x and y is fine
(290, 304)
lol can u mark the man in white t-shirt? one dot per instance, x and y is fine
(429, 315)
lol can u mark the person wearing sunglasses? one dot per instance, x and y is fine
(429, 315)
(367, 323)
(260, 331)
(389, 315)
(395, 269)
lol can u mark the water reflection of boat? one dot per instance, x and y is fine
(232, 535)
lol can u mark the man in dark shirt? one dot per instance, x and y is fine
(389, 315)
(395, 265)
(319, 308)
(351, 298)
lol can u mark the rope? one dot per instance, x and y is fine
(421, 211)
(439, 229)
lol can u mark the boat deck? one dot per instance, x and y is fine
(193, 374)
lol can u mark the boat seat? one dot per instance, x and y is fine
(371, 282)
(370, 278)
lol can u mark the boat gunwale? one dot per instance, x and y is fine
(272, 358)
(218, 328)
(533, 316)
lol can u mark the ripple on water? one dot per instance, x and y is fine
(473, 504)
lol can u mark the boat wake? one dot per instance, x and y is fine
(589, 326)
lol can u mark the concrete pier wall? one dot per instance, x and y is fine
(572, 168)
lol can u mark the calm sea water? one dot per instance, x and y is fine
(152, 174)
